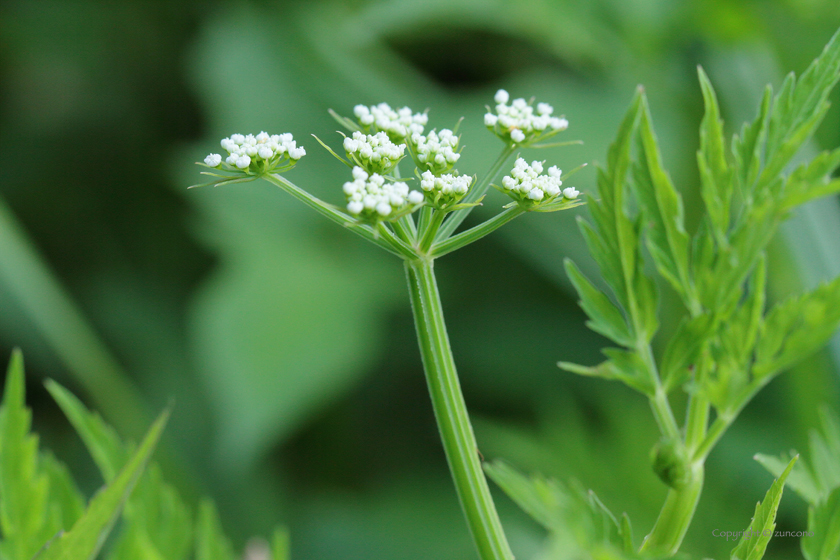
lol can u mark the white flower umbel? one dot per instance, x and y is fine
(258, 154)
(397, 124)
(375, 153)
(529, 186)
(250, 157)
(444, 191)
(371, 197)
(436, 152)
(520, 123)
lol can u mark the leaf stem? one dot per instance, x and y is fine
(476, 193)
(331, 212)
(474, 234)
(451, 414)
(431, 230)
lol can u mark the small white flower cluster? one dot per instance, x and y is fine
(519, 122)
(527, 183)
(436, 151)
(374, 152)
(397, 124)
(245, 150)
(445, 189)
(371, 196)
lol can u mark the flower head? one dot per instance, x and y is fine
(528, 185)
(437, 151)
(371, 197)
(397, 124)
(519, 123)
(375, 153)
(445, 190)
(257, 154)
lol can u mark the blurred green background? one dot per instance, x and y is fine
(286, 343)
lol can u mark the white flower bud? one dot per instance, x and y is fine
(517, 135)
(213, 160)
(243, 161)
(415, 197)
(355, 207)
(265, 152)
(570, 192)
(535, 194)
(501, 96)
(383, 208)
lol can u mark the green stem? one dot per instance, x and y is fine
(474, 234)
(330, 212)
(458, 216)
(451, 414)
(716, 431)
(434, 226)
(669, 530)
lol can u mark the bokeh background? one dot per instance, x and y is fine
(286, 343)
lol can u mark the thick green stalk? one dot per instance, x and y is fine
(451, 414)
(669, 530)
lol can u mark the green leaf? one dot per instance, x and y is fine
(811, 180)
(102, 442)
(747, 147)
(824, 524)
(796, 328)
(24, 488)
(565, 510)
(605, 317)
(624, 366)
(662, 207)
(87, 536)
(800, 106)
(158, 520)
(66, 501)
(800, 479)
(754, 541)
(211, 543)
(614, 239)
(715, 175)
(684, 348)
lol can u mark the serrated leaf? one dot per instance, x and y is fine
(747, 146)
(67, 504)
(754, 541)
(87, 536)
(799, 480)
(824, 525)
(801, 104)
(662, 207)
(810, 181)
(684, 348)
(605, 317)
(796, 328)
(158, 520)
(102, 442)
(211, 543)
(614, 239)
(24, 488)
(567, 510)
(715, 175)
(622, 365)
